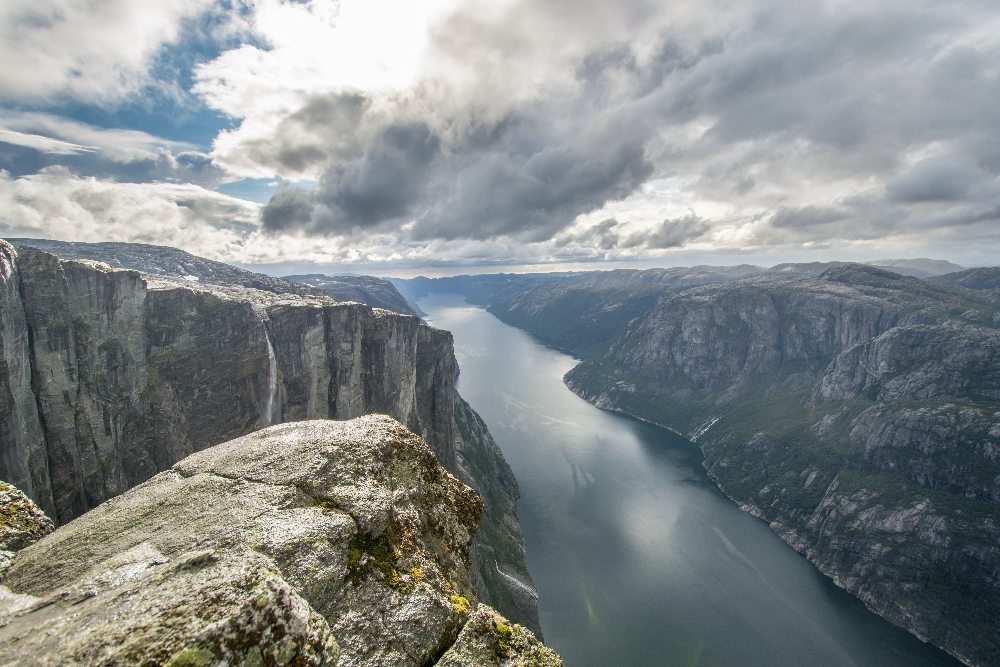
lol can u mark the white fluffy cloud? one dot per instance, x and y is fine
(56, 204)
(55, 134)
(42, 143)
(96, 52)
(304, 50)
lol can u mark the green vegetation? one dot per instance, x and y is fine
(194, 656)
(366, 554)
(460, 604)
(504, 633)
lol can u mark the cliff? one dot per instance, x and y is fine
(858, 413)
(110, 376)
(314, 543)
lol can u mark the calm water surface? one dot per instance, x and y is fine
(637, 557)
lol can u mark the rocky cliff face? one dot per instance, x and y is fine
(112, 377)
(858, 413)
(314, 543)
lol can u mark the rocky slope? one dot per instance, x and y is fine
(987, 278)
(314, 543)
(577, 312)
(109, 377)
(177, 265)
(858, 413)
(856, 410)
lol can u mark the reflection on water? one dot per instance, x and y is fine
(637, 557)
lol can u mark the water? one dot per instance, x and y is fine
(637, 557)
(272, 380)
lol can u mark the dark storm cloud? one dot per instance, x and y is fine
(934, 180)
(806, 217)
(671, 233)
(288, 209)
(854, 121)
(324, 128)
(510, 178)
(603, 236)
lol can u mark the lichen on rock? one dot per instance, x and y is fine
(22, 523)
(488, 639)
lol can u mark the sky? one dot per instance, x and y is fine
(443, 136)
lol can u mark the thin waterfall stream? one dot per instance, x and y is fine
(272, 380)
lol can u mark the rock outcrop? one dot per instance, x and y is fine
(22, 523)
(313, 543)
(110, 376)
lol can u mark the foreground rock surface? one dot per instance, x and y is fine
(315, 543)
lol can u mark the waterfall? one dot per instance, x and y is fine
(701, 430)
(272, 380)
(517, 582)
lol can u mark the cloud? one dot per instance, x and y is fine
(806, 217)
(57, 204)
(95, 52)
(670, 233)
(935, 180)
(116, 145)
(604, 235)
(44, 139)
(43, 144)
(460, 130)
(785, 124)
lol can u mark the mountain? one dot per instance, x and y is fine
(313, 543)
(978, 279)
(856, 410)
(375, 292)
(109, 376)
(918, 267)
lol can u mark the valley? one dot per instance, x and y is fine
(852, 408)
